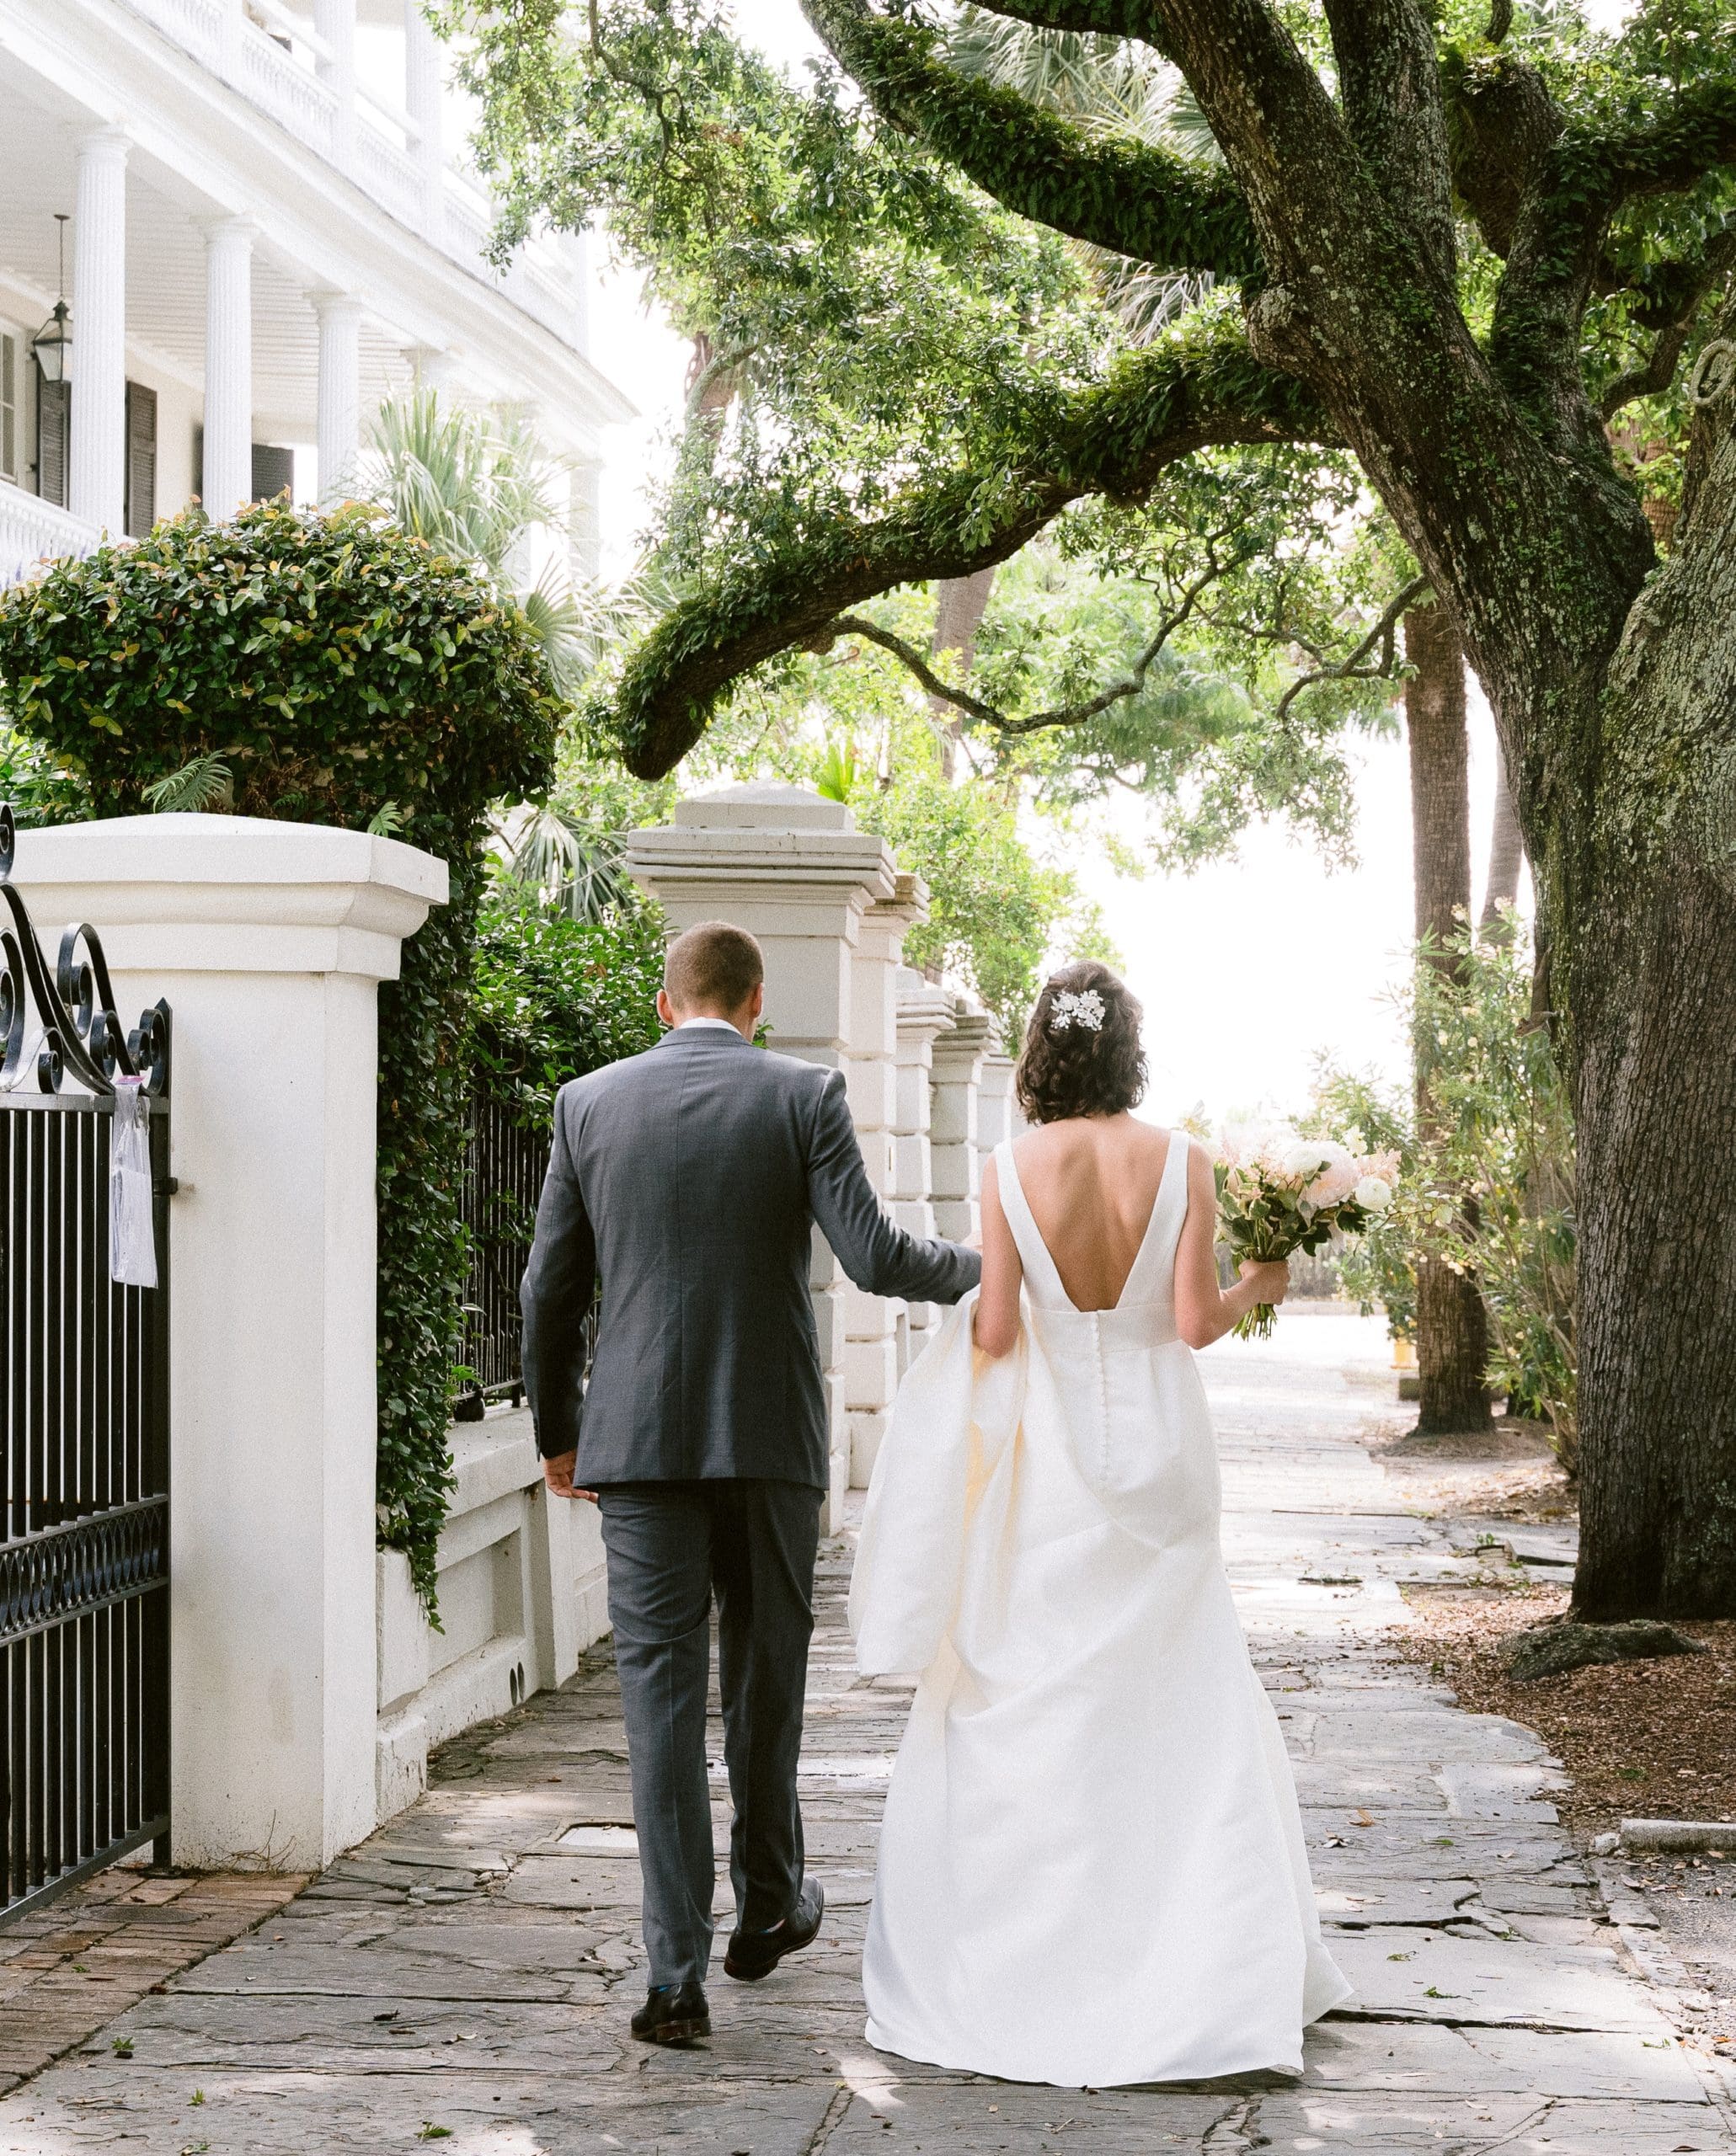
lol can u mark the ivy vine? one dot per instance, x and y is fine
(338, 672)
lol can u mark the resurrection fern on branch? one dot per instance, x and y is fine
(339, 672)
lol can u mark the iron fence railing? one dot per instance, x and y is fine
(83, 1425)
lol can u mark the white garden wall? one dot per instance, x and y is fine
(521, 1593)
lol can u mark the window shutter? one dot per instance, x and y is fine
(8, 407)
(53, 428)
(140, 459)
(274, 471)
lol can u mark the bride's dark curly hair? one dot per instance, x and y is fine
(1073, 1070)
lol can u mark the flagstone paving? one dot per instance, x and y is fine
(465, 1976)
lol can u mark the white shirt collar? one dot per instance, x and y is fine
(723, 1023)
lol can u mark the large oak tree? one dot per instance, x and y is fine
(1417, 237)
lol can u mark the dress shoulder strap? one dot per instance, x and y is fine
(1041, 1275)
(1169, 1208)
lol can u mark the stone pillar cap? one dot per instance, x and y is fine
(923, 1005)
(763, 806)
(232, 894)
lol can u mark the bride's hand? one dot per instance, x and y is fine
(1270, 1280)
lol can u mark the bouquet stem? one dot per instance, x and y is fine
(1259, 1324)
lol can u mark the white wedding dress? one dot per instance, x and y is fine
(1091, 1870)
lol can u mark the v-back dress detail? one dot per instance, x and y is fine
(1092, 1869)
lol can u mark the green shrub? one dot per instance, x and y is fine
(1504, 1141)
(325, 670)
(554, 997)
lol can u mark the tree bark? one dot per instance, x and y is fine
(1507, 851)
(1651, 960)
(960, 603)
(1452, 1328)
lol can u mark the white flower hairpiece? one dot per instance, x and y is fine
(1085, 1010)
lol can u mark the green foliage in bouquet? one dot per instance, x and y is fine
(1272, 1203)
(324, 670)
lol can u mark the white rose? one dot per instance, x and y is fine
(1373, 1195)
(1303, 1156)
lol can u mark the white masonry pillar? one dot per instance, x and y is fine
(997, 1112)
(339, 417)
(269, 941)
(96, 479)
(953, 1135)
(228, 367)
(794, 871)
(422, 91)
(925, 1012)
(872, 1323)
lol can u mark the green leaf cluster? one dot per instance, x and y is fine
(1486, 1180)
(336, 667)
(554, 997)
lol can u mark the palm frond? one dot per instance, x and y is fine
(575, 868)
(205, 783)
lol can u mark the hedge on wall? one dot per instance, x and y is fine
(332, 670)
(554, 997)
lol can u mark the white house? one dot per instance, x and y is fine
(268, 229)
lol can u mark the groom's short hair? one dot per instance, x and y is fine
(712, 965)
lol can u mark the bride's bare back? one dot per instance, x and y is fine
(1091, 1183)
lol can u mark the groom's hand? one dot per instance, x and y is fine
(558, 1475)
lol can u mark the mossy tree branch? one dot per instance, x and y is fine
(1131, 198)
(1162, 403)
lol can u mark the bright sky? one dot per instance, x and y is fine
(1248, 970)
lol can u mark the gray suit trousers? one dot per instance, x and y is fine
(672, 1547)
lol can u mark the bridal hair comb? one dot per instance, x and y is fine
(1068, 1009)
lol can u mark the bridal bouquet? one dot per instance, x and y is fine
(1279, 1191)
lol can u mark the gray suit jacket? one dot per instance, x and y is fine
(690, 1178)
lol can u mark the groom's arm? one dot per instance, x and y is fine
(878, 1257)
(556, 1296)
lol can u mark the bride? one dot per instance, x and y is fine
(1091, 1870)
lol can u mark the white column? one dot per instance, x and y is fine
(434, 368)
(793, 870)
(422, 90)
(998, 1111)
(953, 1131)
(334, 21)
(925, 1012)
(269, 941)
(97, 474)
(872, 1322)
(339, 420)
(228, 367)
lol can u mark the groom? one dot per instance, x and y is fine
(689, 1179)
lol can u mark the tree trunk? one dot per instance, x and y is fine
(1452, 1329)
(1652, 966)
(960, 603)
(1507, 851)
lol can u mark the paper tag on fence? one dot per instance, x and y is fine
(132, 1239)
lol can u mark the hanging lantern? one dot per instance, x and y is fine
(52, 347)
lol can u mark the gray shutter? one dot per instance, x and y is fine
(9, 407)
(140, 459)
(53, 428)
(274, 471)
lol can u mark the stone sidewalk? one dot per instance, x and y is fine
(466, 1977)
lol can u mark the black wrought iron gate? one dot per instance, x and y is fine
(83, 1424)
